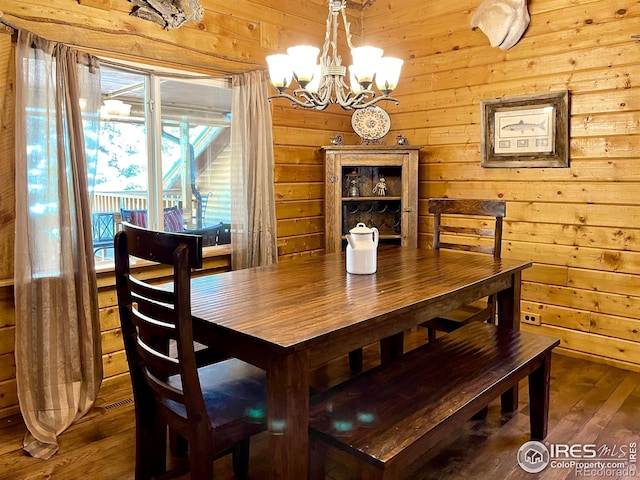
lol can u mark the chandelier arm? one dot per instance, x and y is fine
(340, 88)
(347, 25)
(308, 103)
(324, 93)
(373, 101)
(313, 99)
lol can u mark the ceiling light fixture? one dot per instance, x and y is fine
(115, 107)
(323, 84)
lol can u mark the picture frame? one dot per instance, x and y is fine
(525, 131)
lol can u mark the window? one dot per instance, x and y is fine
(164, 155)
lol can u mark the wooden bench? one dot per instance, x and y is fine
(390, 416)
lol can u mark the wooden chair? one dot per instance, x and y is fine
(217, 407)
(481, 239)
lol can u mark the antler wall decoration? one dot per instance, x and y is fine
(168, 13)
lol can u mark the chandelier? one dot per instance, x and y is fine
(323, 83)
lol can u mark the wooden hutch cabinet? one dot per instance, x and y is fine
(353, 193)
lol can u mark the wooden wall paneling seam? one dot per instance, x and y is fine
(587, 300)
(7, 366)
(599, 345)
(610, 193)
(582, 170)
(560, 316)
(300, 226)
(553, 64)
(607, 282)
(543, 36)
(8, 394)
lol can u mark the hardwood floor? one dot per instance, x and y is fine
(590, 404)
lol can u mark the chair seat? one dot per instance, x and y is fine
(234, 393)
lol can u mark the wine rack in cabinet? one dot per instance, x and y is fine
(375, 185)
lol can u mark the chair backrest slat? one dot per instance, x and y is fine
(489, 208)
(467, 248)
(160, 246)
(157, 364)
(153, 292)
(483, 232)
(446, 208)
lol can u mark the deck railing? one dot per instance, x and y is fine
(129, 200)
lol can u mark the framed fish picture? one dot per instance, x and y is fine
(525, 131)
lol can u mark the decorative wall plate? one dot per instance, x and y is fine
(371, 123)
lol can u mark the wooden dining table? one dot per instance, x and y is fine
(293, 316)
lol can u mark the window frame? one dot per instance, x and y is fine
(152, 107)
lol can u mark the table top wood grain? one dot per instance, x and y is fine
(294, 304)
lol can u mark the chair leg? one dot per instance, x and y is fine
(317, 459)
(151, 448)
(178, 446)
(481, 414)
(201, 452)
(431, 334)
(200, 458)
(240, 458)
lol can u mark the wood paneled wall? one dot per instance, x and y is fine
(579, 225)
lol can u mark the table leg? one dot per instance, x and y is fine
(509, 317)
(288, 410)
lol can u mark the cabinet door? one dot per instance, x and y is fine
(410, 200)
(394, 213)
(333, 203)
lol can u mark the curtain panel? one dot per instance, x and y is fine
(253, 212)
(58, 353)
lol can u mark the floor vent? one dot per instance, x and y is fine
(126, 401)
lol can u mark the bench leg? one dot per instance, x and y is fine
(391, 347)
(539, 398)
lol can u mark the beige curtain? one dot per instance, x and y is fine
(58, 357)
(253, 212)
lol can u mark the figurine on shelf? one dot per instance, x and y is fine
(381, 187)
(401, 140)
(353, 182)
(337, 140)
(353, 188)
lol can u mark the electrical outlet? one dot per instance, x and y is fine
(530, 318)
